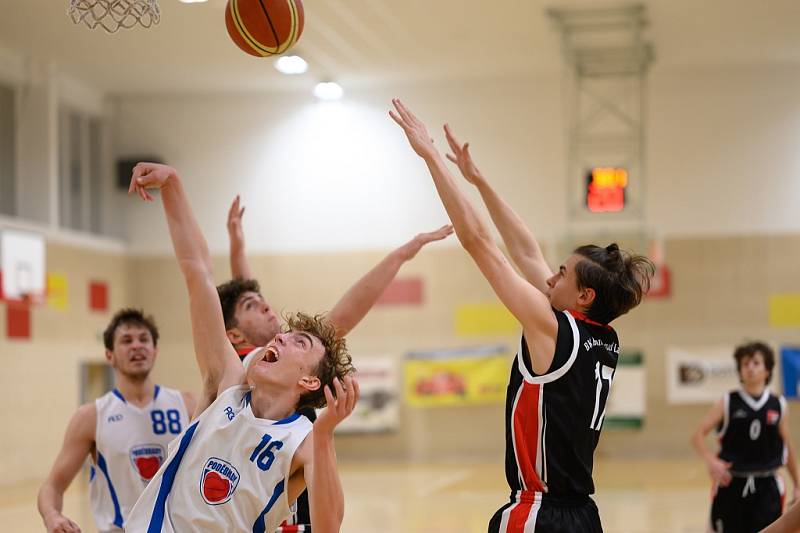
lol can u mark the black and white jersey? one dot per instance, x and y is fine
(553, 420)
(748, 435)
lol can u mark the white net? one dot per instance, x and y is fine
(111, 15)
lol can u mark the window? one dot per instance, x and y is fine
(8, 181)
(80, 171)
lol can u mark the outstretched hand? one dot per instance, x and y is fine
(414, 129)
(339, 407)
(149, 176)
(462, 157)
(412, 247)
(235, 214)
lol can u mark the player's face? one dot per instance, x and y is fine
(134, 352)
(255, 319)
(753, 371)
(289, 359)
(562, 287)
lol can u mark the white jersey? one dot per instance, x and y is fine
(228, 472)
(131, 444)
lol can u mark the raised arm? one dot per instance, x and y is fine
(359, 299)
(523, 248)
(218, 362)
(717, 468)
(78, 443)
(325, 496)
(240, 268)
(528, 304)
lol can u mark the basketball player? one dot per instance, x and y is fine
(251, 450)
(562, 374)
(753, 430)
(250, 322)
(125, 432)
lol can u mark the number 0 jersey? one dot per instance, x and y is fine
(749, 435)
(228, 472)
(553, 420)
(131, 443)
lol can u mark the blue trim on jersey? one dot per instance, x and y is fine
(119, 395)
(287, 420)
(258, 526)
(167, 479)
(155, 394)
(91, 473)
(247, 397)
(101, 464)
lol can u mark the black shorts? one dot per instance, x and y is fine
(747, 505)
(546, 515)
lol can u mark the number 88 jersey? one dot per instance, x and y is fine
(131, 444)
(749, 435)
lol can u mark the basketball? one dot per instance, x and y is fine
(264, 27)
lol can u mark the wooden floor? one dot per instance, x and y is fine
(633, 497)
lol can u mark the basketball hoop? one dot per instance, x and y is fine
(111, 15)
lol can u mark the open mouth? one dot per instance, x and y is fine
(271, 354)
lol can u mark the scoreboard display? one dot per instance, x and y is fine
(605, 189)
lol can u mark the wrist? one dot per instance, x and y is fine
(323, 435)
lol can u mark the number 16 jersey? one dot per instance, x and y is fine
(228, 472)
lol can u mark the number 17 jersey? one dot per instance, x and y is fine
(553, 420)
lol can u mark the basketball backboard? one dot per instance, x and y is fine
(22, 262)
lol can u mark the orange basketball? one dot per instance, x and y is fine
(264, 27)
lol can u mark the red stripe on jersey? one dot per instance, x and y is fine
(518, 517)
(526, 434)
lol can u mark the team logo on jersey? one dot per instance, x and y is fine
(218, 481)
(740, 413)
(146, 460)
(772, 417)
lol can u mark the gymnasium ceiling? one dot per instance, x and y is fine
(378, 42)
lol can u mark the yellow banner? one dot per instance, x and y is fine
(457, 377)
(57, 291)
(784, 310)
(485, 319)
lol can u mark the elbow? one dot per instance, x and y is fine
(474, 241)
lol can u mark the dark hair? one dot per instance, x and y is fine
(619, 279)
(335, 362)
(229, 294)
(129, 316)
(748, 350)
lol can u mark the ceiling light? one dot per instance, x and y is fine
(291, 65)
(328, 90)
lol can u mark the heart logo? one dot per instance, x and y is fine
(216, 488)
(147, 467)
(146, 459)
(218, 481)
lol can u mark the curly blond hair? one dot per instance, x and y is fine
(335, 362)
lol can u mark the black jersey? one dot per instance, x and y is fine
(749, 436)
(553, 421)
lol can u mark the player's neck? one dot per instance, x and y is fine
(754, 389)
(139, 393)
(272, 404)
